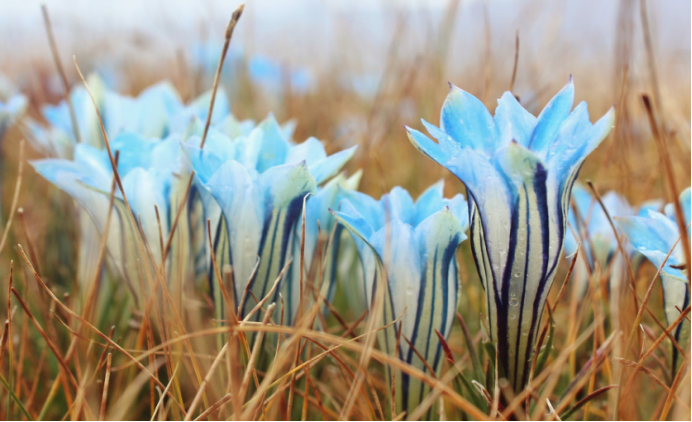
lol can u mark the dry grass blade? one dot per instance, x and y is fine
(586, 400)
(61, 72)
(65, 370)
(106, 381)
(201, 388)
(223, 400)
(670, 179)
(15, 196)
(227, 40)
(94, 329)
(255, 352)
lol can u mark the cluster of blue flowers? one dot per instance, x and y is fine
(253, 185)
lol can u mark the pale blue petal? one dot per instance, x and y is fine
(75, 179)
(328, 167)
(274, 147)
(467, 120)
(205, 162)
(166, 155)
(146, 189)
(654, 236)
(287, 183)
(310, 151)
(402, 261)
(460, 209)
(551, 118)
(135, 151)
(95, 163)
(576, 140)
(650, 205)
(354, 221)
(241, 197)
(371, 209)
(572, 135)
(429, 202)
(514, 123)
(427, 146)
(400, 205)
(231, 127)
(448, 145)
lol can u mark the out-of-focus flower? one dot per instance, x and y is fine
(156, 112)
(252, 188)
(518, 170)
(655, 235)
(269, 74)
(599, 246)
(414, 245)
(10, 110)
(149, 171)
(137, 127)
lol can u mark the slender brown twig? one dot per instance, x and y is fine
(229, 33)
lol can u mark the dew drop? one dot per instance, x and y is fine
(513, 302)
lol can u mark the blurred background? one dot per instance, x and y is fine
(353, 72)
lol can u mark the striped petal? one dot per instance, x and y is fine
(239, 194)
(285, 188)
(519, 172)
(422, 281)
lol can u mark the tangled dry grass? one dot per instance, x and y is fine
(73, 353)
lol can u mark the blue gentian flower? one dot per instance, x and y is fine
(267, 73)
(599, 246)
(252, 188)
(518, 170)
(415, 245)
(654, 236)
(156, 112)
(321, 227)
(149, 171)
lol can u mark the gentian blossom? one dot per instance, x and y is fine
(518, 170)
(415, 245)
(156, 112)
(599, 246)
(655, 235)
(252, 189)
(321, 228)
(146, 130)
(148, 169)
